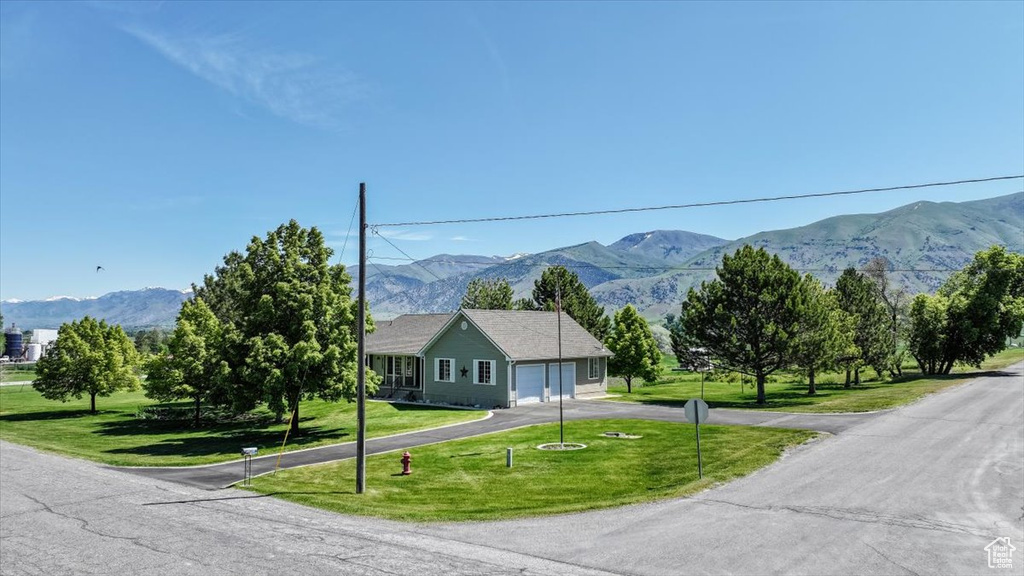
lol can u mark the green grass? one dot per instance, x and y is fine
(116, 436)
(9, 375)
(789, 392)
(467, 479)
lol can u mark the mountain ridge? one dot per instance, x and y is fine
(925, 241)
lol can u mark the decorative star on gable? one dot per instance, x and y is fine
(464, 372)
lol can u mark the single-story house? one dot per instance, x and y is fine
(486, 358)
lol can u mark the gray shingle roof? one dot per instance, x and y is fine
(404, 335)
(529, 335)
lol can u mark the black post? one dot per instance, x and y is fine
(361, 374)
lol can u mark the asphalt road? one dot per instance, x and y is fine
(217, 476)
(917, 490)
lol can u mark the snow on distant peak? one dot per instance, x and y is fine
(56, 298)
(13, 301)
(516, 256)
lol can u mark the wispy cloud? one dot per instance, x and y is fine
(291, 85)
(406, 235)
(462, 239)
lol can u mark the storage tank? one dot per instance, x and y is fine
(33, 351)
(13, 347)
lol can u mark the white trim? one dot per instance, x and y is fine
(512, 399)
(476, 372)
(451, 370)
(597, 360)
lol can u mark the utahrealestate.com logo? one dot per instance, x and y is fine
(1000, 553)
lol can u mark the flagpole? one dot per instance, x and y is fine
(558, 314)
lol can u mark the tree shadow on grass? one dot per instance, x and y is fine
(215, 440)
(50, 415)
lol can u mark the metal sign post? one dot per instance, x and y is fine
(696, 411)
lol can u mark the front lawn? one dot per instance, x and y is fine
(468, 480)
(116, 436)
(789, 392)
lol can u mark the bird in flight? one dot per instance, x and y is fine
(98, 268)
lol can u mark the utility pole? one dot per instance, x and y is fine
(361, 372)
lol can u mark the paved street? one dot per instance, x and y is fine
(918, 490)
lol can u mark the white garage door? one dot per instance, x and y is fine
(529, 383)
(568, 380)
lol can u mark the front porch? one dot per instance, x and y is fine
(402, 376)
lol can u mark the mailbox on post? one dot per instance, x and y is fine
(247, 454)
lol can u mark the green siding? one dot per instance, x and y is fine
(465, 346)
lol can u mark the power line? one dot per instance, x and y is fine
(414, 261)
(349, 233)
(695, 204)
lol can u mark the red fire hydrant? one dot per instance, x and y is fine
(406, 464)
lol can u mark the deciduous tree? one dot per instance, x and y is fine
(895, 297)
(293, 322)
(748, 317)
(980, 307)
(636, 353)
(193, 367)
(88, 358)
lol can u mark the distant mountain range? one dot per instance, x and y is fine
(151, 307)
(924, 241)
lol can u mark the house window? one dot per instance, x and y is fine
(443, 370)
(483, 371)
(593, 368)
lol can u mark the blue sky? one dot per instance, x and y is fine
(151, 139)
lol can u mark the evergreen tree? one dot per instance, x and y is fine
(747, 318)
(636, 353)
(576, 300)
(488, 295)
(857, 296)
(826, 333)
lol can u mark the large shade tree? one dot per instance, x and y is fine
(90, 358)
(749, 316)
(636, 353)
(576, 300)
(292, 320)
(194, 367)
(973, 314)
